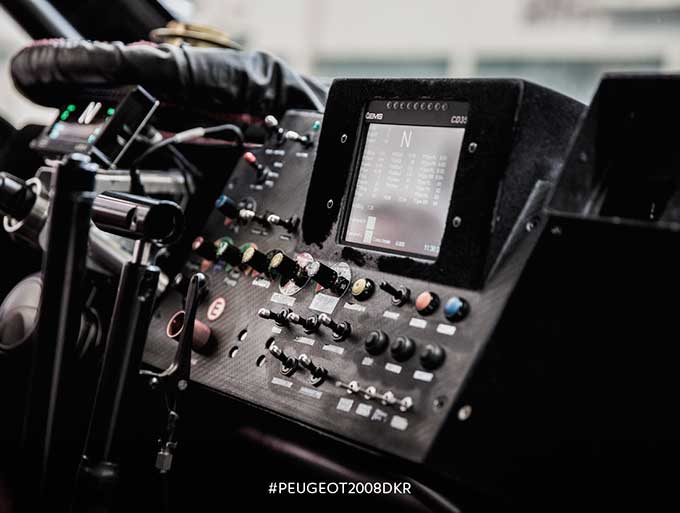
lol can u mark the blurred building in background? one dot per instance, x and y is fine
(564, 44)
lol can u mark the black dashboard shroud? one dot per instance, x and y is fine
(508, 145)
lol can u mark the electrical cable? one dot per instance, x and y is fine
(136, 186)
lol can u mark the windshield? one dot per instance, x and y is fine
(563, 44)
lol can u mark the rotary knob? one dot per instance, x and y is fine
(229, 254)
(402, 348)
(432, 357)
(363, 289)
(256, 259)
(376, 342)
(287, 268)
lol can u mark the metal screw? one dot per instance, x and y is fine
(182, 384)
(464, 413)
(154, 383)
(329, 204)
(343, 138)
(472, 147)
(556, 230)
(456, 222)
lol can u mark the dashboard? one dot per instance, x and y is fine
(357, 268)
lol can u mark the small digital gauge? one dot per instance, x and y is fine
(405, 176)
(102, 129)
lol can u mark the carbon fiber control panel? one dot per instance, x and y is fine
(357, 269)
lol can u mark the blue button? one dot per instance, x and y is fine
(456, 308)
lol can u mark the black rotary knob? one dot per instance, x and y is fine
(432, 357)
(363, 288)
(376, 342)
(229, 254)
(204, 248)
(255, 259)
(285, 267)
(227, 207)
(402, 348)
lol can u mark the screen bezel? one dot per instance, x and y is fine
(405, 117)
(490, 131)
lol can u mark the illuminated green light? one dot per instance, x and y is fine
(111, 111)
(92, 139)
(316, 125)
(64, 115)
(71, 108)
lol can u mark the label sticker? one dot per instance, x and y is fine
(311, 392)
(399, 423)
(446, 329)
(216, 309)
(423, 376)
(282, 299)
(324, 303)
(391, 315)
(418, 323)
(355, 307)
(368, 361)
(393, 367)
(304, 340)
(345, 404)
(333, 349)
(282, 382)
(262, 282)
(379, 415)
(364, 409)
(276, 329)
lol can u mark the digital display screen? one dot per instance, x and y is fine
(104, 129)
(404, 185)
(81, 123)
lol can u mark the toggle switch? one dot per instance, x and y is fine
(326, 277)
(305, 140)
(290, 225)
(288, 363)
(309, 324)
(280, 318)
(318, 373)
(400, 296)
(263, 173)
(340, 330)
